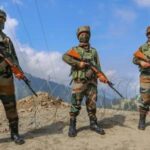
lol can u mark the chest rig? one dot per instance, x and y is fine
(146, 50)
(87, 55)
(6, 51)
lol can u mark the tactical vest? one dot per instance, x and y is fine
(4, 49)
(6, 78)
(146, 51)
(88, 56)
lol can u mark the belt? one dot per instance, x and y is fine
(147, 72)
(80, 80)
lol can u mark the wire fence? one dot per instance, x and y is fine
(107, 97)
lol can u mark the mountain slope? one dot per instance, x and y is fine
(38, 84)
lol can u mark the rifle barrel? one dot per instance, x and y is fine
(27, 83)
(111, 86)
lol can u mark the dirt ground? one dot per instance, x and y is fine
(44, 124)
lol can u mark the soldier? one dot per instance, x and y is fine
(84, 81)
(7, 92)
(142, 59)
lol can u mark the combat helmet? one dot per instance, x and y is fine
(148, 30)
(83, 29)
(3, 14)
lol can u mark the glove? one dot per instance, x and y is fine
(19, 76)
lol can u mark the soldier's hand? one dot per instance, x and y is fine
(19, 76)
(82, 64)
(102, 78)
(144, 64)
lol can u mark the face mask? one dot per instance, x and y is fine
(2, 26)
(84, 37)
(148, 37)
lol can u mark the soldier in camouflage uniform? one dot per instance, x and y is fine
(7, 92)
(144, 80)
(84, 81)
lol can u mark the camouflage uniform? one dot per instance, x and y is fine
(7, 91)
(84, 79)
(144, 83)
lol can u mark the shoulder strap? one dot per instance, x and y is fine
(81, 51)
(93, 51)
(144, 46)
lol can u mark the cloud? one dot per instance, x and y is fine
(47, 65)
(143, 3)
(10, 26)
(42, 64)
(126, 15)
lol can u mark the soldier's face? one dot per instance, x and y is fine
(84, 37)
(2, 23)
(148, 36)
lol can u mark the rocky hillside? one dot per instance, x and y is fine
(44, 124)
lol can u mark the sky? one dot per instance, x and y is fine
(43, 30)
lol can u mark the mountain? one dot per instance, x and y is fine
(54, 89)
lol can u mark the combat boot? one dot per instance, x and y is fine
(15, 135)
(94, 126)
(142, 119)
(72, 128)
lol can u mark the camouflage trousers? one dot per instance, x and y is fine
(145, 92)
(9, 104)
(79, 91)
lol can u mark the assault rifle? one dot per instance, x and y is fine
(19, 72)
(99, 74)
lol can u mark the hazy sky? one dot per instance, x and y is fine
(43, 30)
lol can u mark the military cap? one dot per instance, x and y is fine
(148, 30)
(83, 29)
(3, 14)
